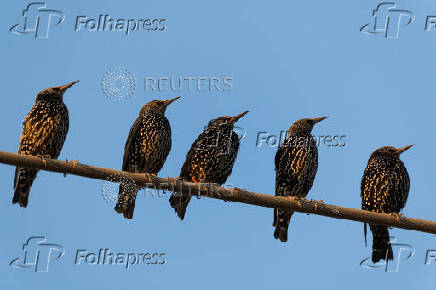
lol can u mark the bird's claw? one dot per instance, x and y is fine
(74, 162)
(238, 190)
(173, 181)
(149, 176)
(208, 186)
(397, 216)
(297, 200)
(235, 190)
(43, 159)
(65, 174)
(316, 203)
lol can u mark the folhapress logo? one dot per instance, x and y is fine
(37, 19)
(107, 23)
(38, 254)
(387, 19)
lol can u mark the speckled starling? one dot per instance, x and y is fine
(146, 149)
(44, 132)
(384, 188)
(210, 159)
(296, 163)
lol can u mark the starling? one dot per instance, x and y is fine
(210, 159)
(44, 132)
(146, 149)
(384, 189)
(296, 163)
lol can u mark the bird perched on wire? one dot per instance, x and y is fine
(210, 159)
(44, 130)
(146, 149)
(296, 163)
(384, 189)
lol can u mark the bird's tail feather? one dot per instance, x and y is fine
(22, 183)
(126, 201)
(365, 231)
(179, 202)
(281, 222)
(381, 245)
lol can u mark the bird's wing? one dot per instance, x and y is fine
(288, 161)
(134, 130)
(230, 157)
(376, 186)
(194, 150)
(164, 141)
(38, 129)
(400, 189)
(200, 146)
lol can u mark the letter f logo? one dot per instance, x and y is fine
(37, 19)
(38, 254)
(388, 20)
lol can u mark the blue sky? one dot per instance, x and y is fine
(287, 60)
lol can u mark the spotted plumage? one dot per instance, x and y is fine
(296, 164)
(384, 189)
(210, 159)
(146, 149)
(44, 130)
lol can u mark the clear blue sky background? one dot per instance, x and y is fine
(288, 60)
